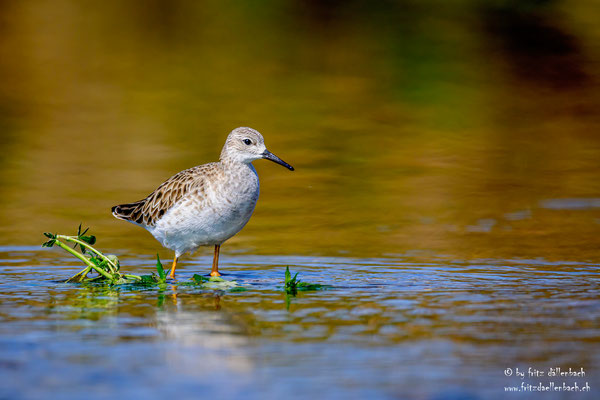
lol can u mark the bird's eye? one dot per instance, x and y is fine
(248, 141)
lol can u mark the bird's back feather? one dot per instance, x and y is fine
(148, 211)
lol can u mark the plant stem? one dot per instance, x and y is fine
(90, 248)
(80, 276)
(82, 258)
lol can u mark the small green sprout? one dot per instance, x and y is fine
(293, 285)
(154, 279)
(215, 282)
(89, 239)
(199, 279)
(160, 270)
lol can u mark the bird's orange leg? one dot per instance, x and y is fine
(172, 274)
(215, 268)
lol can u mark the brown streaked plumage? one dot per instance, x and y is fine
(207, 204)
(149, 210)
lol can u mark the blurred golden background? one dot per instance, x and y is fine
(465, 129)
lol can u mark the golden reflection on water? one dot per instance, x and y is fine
(445, 139)
(384, 319)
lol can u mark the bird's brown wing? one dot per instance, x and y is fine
(148, 211)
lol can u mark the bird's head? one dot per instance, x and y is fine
(246, 145)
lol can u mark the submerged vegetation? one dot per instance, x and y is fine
(293, 285)
(107, 266)
(106, 269)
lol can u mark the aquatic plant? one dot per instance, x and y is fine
(293, 285)
(108, 266)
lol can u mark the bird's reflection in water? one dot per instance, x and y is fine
(203, 340)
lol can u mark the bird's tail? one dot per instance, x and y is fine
(131, 212)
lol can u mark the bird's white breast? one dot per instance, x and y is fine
(212, 215)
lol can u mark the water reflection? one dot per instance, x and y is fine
(433, 314)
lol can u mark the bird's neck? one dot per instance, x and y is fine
(237, 167)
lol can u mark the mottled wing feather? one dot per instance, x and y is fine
(151, 209)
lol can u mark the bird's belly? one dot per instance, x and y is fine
(193, 223)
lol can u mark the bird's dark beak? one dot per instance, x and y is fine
(270, 156)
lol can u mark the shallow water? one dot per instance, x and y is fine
(447, 190)
(385, 328)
